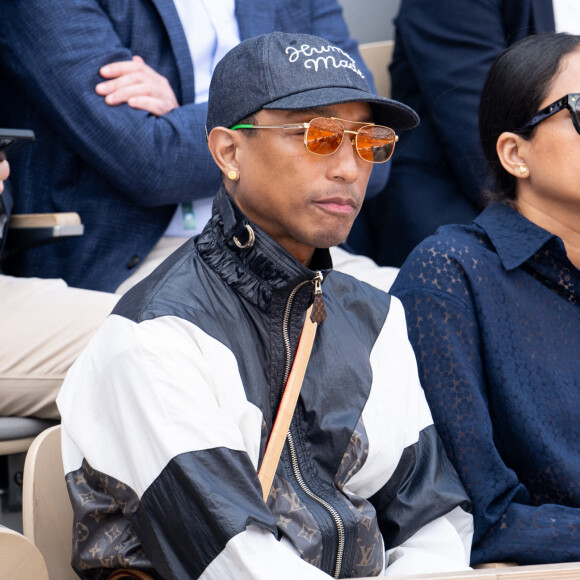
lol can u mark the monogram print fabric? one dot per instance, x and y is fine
(297, 522)
(106, 538)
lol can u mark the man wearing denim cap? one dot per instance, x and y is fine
(167, 414)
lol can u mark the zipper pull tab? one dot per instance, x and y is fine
(318, 310)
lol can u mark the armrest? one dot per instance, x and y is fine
(28, 230)
(69, 220)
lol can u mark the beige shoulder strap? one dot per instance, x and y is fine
(287, 405)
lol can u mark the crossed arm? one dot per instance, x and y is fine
(137, 84)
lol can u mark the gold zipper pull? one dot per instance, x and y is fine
(318, 314)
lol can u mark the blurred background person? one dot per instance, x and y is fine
(443, 51)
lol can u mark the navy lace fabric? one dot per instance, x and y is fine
(493, 312)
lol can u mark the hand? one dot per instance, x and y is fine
(137, 84)
(4, 173)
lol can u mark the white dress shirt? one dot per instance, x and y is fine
(567, 16)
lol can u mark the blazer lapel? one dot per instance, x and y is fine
(168, 13)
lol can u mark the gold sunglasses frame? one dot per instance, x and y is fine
(306, 126)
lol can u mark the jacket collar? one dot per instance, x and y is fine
(515, 238)
(260, 271)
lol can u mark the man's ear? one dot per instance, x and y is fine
(512, 150)
(223, 145)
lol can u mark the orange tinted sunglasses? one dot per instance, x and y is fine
(324, 135)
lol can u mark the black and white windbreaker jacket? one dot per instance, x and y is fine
(167, 413)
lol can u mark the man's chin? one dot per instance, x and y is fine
(330, 240)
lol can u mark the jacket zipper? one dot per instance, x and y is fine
(333, 513)
(292, 449)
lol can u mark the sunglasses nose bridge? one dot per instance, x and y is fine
(354, 136)
(332, 133)
(351, 136)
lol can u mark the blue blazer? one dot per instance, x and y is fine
(443, 51)
(122, 170)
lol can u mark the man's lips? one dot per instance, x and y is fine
(339, 205)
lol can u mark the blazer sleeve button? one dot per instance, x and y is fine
(133, 262)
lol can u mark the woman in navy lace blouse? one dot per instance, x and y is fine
(494, 314)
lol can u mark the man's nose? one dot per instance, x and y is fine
(346, 166)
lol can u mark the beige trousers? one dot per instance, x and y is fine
(44, 325)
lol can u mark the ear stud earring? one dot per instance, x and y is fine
(523, 169)
(233, 175)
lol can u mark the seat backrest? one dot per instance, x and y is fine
(20, 559)
(378, 56)
(47, 514)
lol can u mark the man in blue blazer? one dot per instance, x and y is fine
(443, 50)
(122, 169)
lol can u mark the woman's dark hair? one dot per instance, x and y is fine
(515, 87)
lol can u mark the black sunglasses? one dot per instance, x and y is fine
(570, 102)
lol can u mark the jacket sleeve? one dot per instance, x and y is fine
(450, 46)
(422, 509)
(159, 408)
(53, 52)
(445, 334)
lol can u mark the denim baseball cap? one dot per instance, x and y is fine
(293, 72)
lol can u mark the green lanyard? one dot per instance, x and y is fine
(188, 215)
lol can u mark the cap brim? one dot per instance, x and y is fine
(385, 111)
